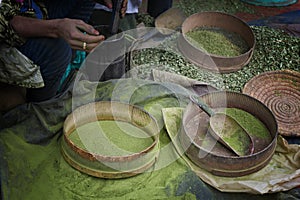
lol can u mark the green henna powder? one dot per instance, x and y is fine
(257, 130)
(231, 133)
(252, 125)
(111, 138)
(249, 122)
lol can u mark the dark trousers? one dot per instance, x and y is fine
(53, 54)
(156, 7)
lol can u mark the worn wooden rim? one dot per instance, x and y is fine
(106, 174)
(280, 92)
(94, 164)
(82, 116)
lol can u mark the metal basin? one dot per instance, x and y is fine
(214, 157)
(221, 64)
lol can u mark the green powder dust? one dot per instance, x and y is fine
(249, 122)
(111, 138)
(256, 129)
(217, 41)
(252, 125)
(231, 133)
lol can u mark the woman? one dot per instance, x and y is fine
(46, 32)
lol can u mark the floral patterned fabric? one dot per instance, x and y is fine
(8, 9)
(16, 68)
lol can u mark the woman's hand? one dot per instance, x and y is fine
(124, 8)
(78, 34)
(71, 30)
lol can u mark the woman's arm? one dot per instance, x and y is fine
(71, 30)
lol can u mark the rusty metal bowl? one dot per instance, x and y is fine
(103, 165)
(199, 57)
(214, 157)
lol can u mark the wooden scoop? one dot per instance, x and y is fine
(227, 130)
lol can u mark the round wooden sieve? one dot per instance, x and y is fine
(110, 166)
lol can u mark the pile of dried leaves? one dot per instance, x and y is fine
(274, 50)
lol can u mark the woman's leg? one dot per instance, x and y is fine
(53, 56)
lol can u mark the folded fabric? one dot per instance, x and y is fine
(17, 69)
